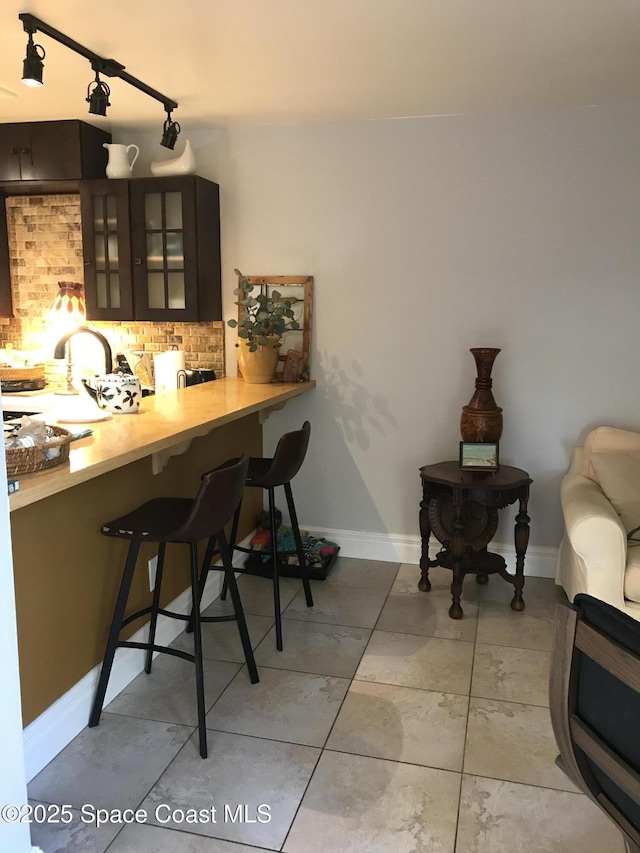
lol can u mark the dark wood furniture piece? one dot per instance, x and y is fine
(594, 701)
(461, 508)
(152, 249)
(52, 151)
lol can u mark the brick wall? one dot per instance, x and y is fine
(45, 247)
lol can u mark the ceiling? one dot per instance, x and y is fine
(240, 62)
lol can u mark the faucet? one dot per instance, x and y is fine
(108, 356)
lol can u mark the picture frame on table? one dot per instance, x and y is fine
(479, 455)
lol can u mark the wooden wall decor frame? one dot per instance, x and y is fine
(296, 341)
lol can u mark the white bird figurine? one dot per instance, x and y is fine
(185, 164)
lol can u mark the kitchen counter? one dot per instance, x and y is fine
(67, 573)
(165, 423)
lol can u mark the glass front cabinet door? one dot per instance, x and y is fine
(175, 239)
(152, 249)
(106, 249)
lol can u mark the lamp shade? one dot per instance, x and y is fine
(68, 309)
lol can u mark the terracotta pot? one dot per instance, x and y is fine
(482, 418)
(259, 367)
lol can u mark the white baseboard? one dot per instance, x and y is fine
(539, 561)
(62, 721)
(47, 735)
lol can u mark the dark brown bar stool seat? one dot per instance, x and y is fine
(268, 473)
(185, 521)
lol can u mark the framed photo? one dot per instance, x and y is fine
(479, 456)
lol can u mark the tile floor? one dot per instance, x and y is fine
(383, 727)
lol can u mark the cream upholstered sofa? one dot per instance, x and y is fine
(601, 505)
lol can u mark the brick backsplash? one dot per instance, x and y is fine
(45, 247)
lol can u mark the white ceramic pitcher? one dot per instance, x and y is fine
(119, 165)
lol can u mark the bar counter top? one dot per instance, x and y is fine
(164, 421)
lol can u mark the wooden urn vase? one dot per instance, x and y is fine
(482, 418)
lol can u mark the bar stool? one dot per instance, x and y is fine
(268, 473)
(186, 521)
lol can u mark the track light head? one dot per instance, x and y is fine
(98, 97)
(33, 66)
(170, 132)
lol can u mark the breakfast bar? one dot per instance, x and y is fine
(66, 572)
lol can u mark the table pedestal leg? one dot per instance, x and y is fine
(425, 533)
(457, 553)
(521, 542)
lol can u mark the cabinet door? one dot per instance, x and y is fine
(106, 249)
(9, 152)
(50, 151)
(164, 244)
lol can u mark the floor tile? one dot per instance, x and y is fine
(339, 605)
(221, 640)
(402, 724)
(110, 766)
(407, 660)
(168, 692)
(296, 707)
(372, 574)
(427, 614)
(528, 629)
(152, 839)
(507, 740)
(239, 771)
(80, 835)
(500, 817)
(367, 805)
(256, 594)
(511, 675)
(314, 647)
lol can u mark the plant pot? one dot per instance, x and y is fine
(259, 367)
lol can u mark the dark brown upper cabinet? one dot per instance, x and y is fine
(52, 151)
(152, 249)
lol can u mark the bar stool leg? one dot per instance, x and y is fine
(232, 545)
(114, 632)
(304, 570)
(197, 652)
(238, 610)
(274, 563)
(206, 565)
(154, 607)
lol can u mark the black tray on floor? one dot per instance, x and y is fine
(254, 566)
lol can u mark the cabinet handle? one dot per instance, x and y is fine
(25, 151)
(13, 151)
(138, 261)
(87, 263)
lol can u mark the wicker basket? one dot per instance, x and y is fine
(26, 460)
(15, 374)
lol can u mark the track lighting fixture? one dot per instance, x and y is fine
(32, 65)
(97, 92)
(170, 133)
(98, 97)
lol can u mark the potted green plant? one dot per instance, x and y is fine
(263, 320)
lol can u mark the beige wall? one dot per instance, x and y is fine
(45, 243)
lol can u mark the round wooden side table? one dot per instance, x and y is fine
(460, 508)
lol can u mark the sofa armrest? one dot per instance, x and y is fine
(596, 535)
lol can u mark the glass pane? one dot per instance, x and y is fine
(101, 290)
(155, 289)
(113, 251)
(176, 290)
(101, 260)
(173, 209)
(153, 211)
(98, 213)
(155, 260)
(112, 216)
(114, 289)
(175, 253)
